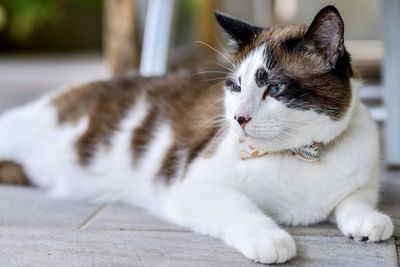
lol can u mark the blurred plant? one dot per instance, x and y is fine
(3, 18)
(23, 16)
(187, 8)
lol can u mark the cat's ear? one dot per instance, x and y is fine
(239, 33)
(326, 34)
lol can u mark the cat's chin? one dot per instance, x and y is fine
(267, 143)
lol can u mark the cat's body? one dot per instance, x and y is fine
(169, 145)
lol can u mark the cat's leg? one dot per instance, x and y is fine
(357, 217)
(228, 214)
(19, 130)
(12, 173)
(22, 132)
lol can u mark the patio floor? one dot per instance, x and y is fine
(36, 230)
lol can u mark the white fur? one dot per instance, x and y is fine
(273, 126)
(236, 200)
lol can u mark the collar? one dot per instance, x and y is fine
(309, 153)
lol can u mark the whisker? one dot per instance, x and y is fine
(223, 48)
(224, 66)
(220, 83)
(210, 71)
(214, 79)
(221, 54)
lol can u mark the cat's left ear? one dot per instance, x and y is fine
(240, 33)
(326, 34)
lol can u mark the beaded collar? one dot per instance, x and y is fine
(309, 153)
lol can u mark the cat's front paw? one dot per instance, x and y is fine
(269, 246)
(371, 226)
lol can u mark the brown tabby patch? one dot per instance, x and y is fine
(104, 103)
(185, 101)
(191, 105)
(169, 167)
(12, 173)
(143, 134)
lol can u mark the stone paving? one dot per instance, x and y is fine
(37, 230)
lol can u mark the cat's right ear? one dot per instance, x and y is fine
(239, 33)
(325, 35)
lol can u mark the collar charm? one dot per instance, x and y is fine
(309, 153)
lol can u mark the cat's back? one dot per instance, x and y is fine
(174, 92)
(186, 103)
(138, 126)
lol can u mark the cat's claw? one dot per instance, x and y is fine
(371, 227)
(269, 247)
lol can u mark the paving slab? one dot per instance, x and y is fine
(54, 247)
(315, 230)
(124, 217)
(390, 197)
(340, 251)
(31, 207)
(37, 230)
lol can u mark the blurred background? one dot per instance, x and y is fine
(47, 44)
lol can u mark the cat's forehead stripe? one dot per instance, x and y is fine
(261, 77)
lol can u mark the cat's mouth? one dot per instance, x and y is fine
(258, 138)
(246, 134)
(266, 136)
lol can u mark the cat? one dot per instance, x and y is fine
(285, 140)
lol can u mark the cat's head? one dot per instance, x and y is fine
(290, 86)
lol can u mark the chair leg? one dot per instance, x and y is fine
(391, 76)
(156, 39)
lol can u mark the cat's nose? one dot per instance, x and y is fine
(242, 120)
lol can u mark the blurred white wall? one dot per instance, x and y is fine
(363, 18)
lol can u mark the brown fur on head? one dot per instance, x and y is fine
(311, 60)
(292, 84)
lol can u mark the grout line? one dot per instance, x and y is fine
(111, 198)
(145, 230)
(397, 246)
(93, 216)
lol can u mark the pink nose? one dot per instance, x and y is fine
(242, 120)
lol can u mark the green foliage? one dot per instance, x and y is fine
(187, 7)
(23, 16)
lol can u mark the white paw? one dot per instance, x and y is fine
(371, 226)
(268, 246)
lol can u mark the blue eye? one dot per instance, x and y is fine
(233, 86)
(276, 89)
